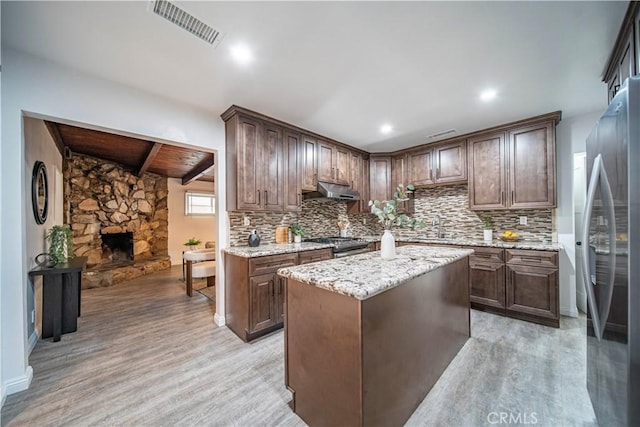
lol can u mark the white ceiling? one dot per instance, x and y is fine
(342, 69)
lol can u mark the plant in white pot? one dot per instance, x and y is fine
(298, 231)
(388, 216)
(487, 224)
(60, 243)
(192, 243)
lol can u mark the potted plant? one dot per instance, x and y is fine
(298, 231)
(192, 243)
(60, 243)
(487, 223)
(388, 216)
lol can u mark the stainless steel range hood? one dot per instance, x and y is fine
(327, 190)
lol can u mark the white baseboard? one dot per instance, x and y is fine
(219, 320)
(3, 395)
(20, 383)
(569, 311)
(33, 340)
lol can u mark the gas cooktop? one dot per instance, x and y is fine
(341, 244)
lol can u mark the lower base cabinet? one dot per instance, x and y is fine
(254, 293)
(525, 286)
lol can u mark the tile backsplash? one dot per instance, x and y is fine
(451, 203)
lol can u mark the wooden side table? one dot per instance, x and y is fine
(61, 289)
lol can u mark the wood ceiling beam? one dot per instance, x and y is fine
(199, 170)
(153, 152)
(55, 134)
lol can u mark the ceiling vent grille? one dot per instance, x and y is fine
(185, 20)
(441, 134)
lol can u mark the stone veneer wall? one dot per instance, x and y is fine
(320, 218)
(102, 197)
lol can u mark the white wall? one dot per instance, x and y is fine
(42, 89)
(39, 146)
(183, 227)
(571, 135)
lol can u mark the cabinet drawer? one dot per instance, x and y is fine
(534, 258)
(483, 254)
(270, 264)
(314, 256)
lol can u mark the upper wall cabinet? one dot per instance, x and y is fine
(380, 173)
(309, 164)
(624, 60)
(359, 169)
(514, 168)
(444, 163)
(333, 163)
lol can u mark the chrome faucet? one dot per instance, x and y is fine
(437, 221)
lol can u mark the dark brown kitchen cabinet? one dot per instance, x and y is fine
(420, 167)
(624, 60)
(357, 180)
(380, 177)
(514, 168)
(487, 277)
(333, 163)
(248, 153)
(487, 171)
(254, 293)
(525, 286)
(532, 291)
(293, 153)
(309, 164)
(450, 162)
(443, 163)
(273, 168)
(399, 175)
(263, 305)
(532, 166)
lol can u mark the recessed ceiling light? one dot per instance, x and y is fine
(242, 54)
(488, 95)
(386, 128)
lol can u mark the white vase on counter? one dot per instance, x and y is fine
(297, 238)
(488, 235)
(387, 245)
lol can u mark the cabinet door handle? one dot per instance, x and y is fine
(273, 286)
(430, 174)
(502, 198)
(299, 199)
(333, 173)
(258, 191)
(266, 198)
(512, 196)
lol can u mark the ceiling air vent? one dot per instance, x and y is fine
(185, 20)
(441, 134)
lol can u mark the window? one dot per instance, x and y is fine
(199, 203)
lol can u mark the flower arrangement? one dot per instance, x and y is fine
(387, 210)
(487, 222)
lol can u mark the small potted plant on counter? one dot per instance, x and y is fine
(487, 223)
(298, 231)
(192, 243)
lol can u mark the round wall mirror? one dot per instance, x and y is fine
(39, 192)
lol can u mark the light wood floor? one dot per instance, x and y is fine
(145, 354)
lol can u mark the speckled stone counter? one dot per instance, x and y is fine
(365, 275)
(274, 249)
(538, 246)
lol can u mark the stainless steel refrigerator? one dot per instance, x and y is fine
(611, 260)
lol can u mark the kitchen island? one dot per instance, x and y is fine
(366, 338)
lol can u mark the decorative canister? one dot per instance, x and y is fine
(254, 239)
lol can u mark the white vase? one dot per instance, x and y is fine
(297, 239)
(387, 245)
(488, 235)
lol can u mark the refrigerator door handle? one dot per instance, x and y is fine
(598, 317)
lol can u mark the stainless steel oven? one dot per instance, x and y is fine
(343, 246)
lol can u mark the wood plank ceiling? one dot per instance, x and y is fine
(136, 155)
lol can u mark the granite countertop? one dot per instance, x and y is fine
(365, 275)
(523, 244)
(274, 249)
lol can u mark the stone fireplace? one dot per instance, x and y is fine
(119, 220)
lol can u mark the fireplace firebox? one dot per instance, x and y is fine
(117, 247)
